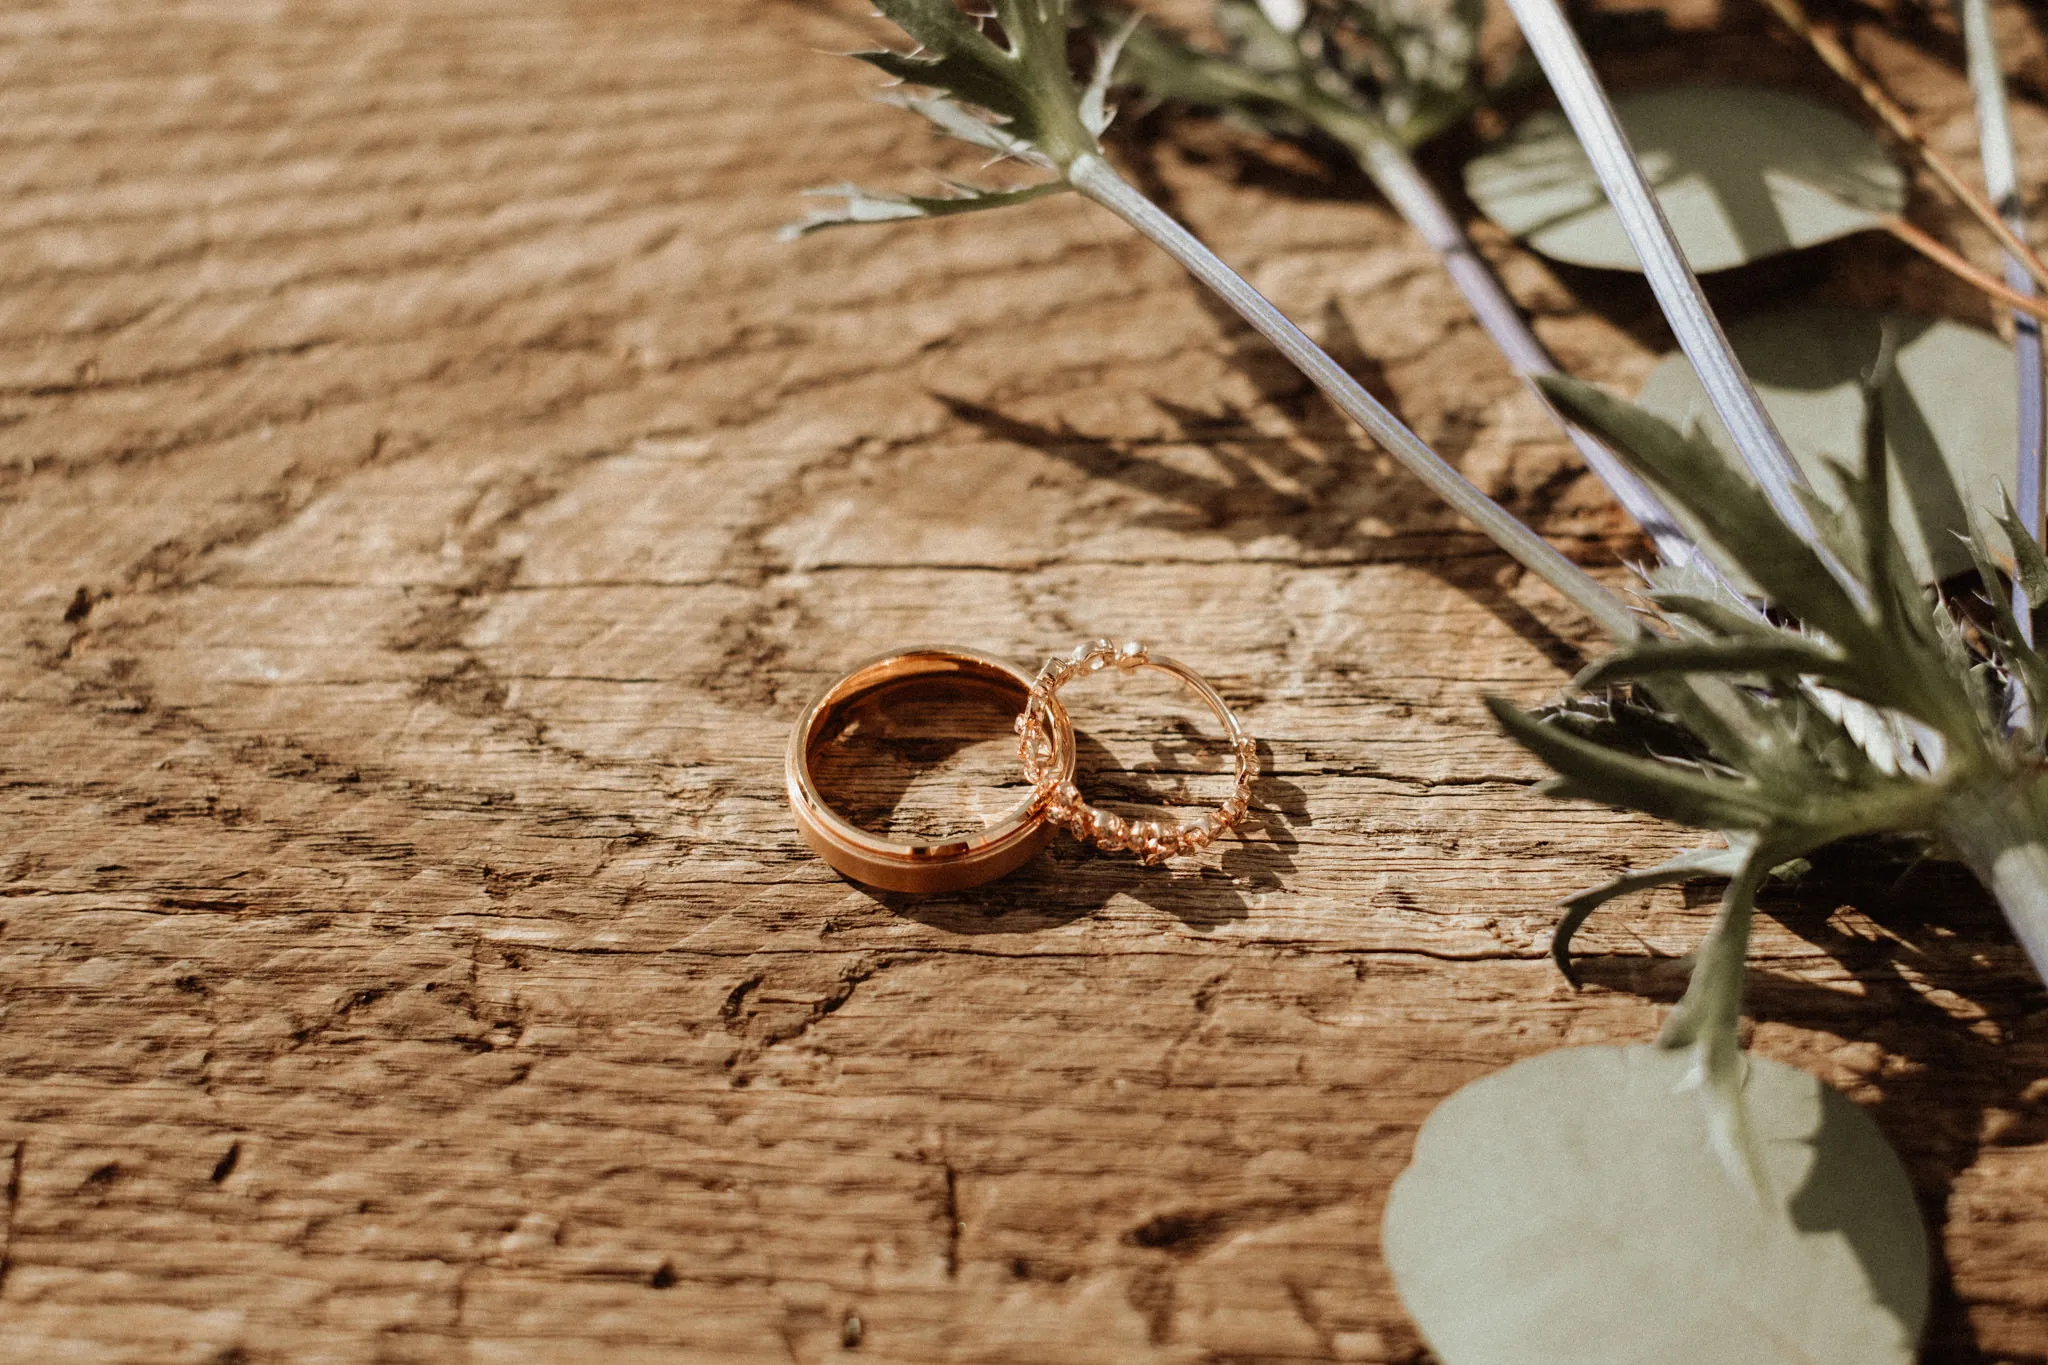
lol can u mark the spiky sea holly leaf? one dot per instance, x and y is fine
(964, 79)
(957, 120)
(1015, 98)
(1786, 656)
(1688, 866)
(1023, 80)
(2030, 564)
(1738, 517)
(1714, 617)
(1667, 790)
(868, 206)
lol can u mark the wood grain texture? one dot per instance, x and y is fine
(428, 493)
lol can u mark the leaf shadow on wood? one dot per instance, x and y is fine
(1963, 1076)
(1263, 488)
(1306, 168)
(1069, 882)
(1479, 579)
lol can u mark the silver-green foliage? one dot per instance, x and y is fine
(1862, 708)
(1741, 173)
(1015, 97)
(1949, 406)
(1019, 94)
(1563, 1212)
(1374, 79)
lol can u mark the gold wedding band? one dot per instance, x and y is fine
(902, 865)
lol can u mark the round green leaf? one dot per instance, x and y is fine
(1570, 1211)
(1952, 401)
(1742, 173)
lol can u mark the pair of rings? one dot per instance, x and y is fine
(1045, 751)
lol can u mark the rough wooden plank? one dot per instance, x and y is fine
(429, 493)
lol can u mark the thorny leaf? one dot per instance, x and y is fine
(1709, 861)
(1858, 707)
(1016, 99)
(2031, 562)
(868, 206)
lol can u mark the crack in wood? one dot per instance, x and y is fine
(11, 1197)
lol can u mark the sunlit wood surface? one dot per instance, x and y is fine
(428, 492)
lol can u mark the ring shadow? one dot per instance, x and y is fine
(1959, 1091)
(1069, 882)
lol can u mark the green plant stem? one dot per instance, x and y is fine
(2001, 179)
(1387, 163)
(1708, 1020)
(1997, 828)
(1095, 178)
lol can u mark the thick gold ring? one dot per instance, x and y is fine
(1038, 745)
(901, 865)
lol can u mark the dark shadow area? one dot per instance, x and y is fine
(1244, 506)
(1276, 380)
(1964, 1085)
(1847, 1154)
(1071, 881)
(1247, 498)
(1309, 171)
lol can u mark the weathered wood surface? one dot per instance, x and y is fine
(429, 493)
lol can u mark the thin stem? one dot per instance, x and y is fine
(1095, 178)
(1185, 73)
(1997, 831)
(1830, 50)
(1708, 1020)
(1390, 167)
(2001, 178)
(2031, 308)
(1551, 38)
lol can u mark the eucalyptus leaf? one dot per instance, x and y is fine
(1569, 1211)
(1951, 401)
(1742, 172)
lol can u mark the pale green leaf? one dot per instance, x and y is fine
(871, 206)
(1742, 173)
(1570, 1211)
(956, 120)
(2029, 562)
(1592, 772)
(1688, 866)
(1949, 414)
(1717, 499)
